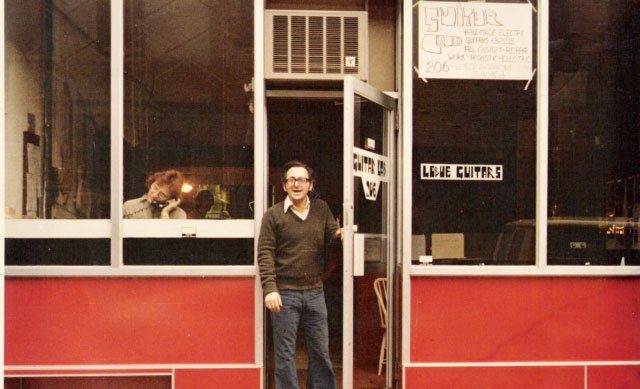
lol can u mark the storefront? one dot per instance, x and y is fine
(483, 158)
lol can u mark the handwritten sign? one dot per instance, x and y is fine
(475, 40)
(372, 169)
(439, 171)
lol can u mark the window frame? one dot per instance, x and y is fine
(541, 267)
(116, 229)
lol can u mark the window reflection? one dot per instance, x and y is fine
(188, 102)
(486, 129)
(487, 123)
(57, 109)
(203, 202)
(222, 202)
(594, 134)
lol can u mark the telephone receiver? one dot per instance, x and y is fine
(159, 205)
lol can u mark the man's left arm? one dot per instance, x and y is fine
(333, 232)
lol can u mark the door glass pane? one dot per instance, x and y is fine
(594, 133)
(369, 140)
(188, 106)
(57, 133)
(371, 196)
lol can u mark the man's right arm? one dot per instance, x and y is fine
(266, 254)
(267, 263)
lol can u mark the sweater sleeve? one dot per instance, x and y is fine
(331, 226)
(267, 254)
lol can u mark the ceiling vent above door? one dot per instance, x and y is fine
(315, 45)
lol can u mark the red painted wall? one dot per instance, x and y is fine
(523, 320)
(218, 378)
(565, 377)
(619, 377)
(99, 321)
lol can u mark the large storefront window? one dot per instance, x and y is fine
(57, 131)
(188, 116)
(187, 107)
(594, 133)
(474, 133)
(188, 71)
(57, 58)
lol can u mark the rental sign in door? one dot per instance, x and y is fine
(475, 40)
(372, 169)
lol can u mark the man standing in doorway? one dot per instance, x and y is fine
(291, 248)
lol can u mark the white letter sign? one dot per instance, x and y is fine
(372, 169)
(474, 40)
(441, 171)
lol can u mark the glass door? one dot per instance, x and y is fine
(368, 217)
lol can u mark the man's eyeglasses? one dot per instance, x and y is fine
(301, 180)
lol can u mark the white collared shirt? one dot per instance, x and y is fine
(302, 215)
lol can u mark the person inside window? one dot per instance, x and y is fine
(204, 202)
(161, 200)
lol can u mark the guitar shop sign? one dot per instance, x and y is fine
(372, 170)
(439, 171)
(471, 40)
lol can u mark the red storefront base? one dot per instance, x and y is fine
(524, 332)
(465, 332)
(496, 377)
(195, 330)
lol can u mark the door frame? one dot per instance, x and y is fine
(389, 101)
(353, 87)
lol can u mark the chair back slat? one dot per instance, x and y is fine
(380, 287)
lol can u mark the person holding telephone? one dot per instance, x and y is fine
(161, 200)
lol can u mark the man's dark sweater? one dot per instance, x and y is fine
(291, 250)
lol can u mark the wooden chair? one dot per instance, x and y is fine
(380, 287)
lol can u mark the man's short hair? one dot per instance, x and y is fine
(296, 163)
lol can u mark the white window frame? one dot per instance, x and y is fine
(2, 195)
(541, 268)
(116, 229)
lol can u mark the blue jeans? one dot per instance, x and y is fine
(308, 306)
